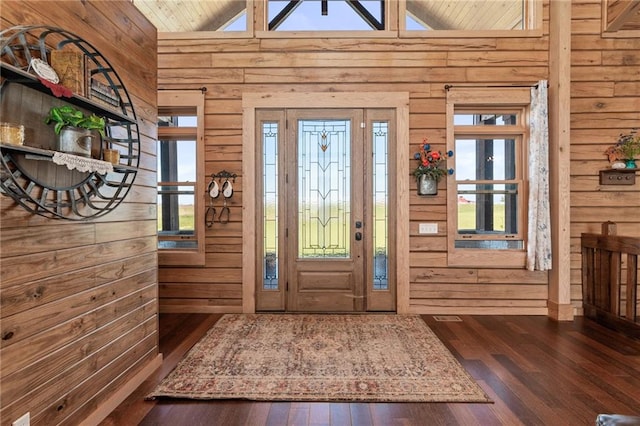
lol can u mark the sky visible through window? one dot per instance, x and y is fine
(308, 17)
(186, 160)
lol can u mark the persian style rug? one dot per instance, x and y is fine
(305, 357)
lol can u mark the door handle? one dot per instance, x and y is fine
(358, 236)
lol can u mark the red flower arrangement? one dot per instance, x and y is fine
(429, 162)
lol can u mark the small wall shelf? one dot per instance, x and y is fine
(16, 75)
(27, 172)
(618, 176)
(45, 154)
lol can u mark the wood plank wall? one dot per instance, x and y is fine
(229, 67)
(605, 101)
(79, 300)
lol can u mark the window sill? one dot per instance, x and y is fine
(449, 34)
(326, 34)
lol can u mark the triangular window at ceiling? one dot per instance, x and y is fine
(326, 15)
(195, 15)
(239, 23)
(476, 15)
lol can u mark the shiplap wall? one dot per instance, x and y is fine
(605, 101)
(79, 300)
(229, 67)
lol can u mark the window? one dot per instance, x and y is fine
(487, 194)
(507, 15)
(325, 15)
(207, 16)
(180, 175)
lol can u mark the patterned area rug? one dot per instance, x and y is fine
(321, 358)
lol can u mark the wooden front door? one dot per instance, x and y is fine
(325, 211)
(326, 243)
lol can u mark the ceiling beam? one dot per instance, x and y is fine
(366, 15)
(284, 13)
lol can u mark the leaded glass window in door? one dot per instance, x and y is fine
(380, 138)
(324, 188)
(270, 205)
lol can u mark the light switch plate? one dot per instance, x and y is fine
(428, 228)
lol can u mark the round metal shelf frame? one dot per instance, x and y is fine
(77, 195)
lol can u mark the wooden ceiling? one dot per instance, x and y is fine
(212, 15)
(185, 15)
(467, 15)
(189, 15)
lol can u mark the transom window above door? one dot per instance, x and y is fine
(323, 15)
(346, 18)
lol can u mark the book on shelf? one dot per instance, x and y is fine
(103, 93)
(70, 67)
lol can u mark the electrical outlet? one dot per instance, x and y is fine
(428, 228)
(24, 420)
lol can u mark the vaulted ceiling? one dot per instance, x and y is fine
(187, 15)
(211, 15)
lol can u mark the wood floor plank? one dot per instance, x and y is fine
(536, 370)
(279, 414)
(320, 414)
(298, 415)
(360, 414)
(340, 414)
(258, 413)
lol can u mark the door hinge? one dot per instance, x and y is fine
(286, 178)
(286, 286)
(286, 232)
(363, 125)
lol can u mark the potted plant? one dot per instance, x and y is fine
(429, 171)
(626, 149)
(78, 133)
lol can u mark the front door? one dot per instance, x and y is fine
(325, 213)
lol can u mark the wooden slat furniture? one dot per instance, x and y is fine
(607, 297)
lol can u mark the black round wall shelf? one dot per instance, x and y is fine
(29, 174)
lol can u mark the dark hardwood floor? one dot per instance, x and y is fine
(537, 371)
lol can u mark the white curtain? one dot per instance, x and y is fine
(539, 232)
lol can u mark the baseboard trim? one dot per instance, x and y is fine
(478, 310)
(123, 393)
(560, 312)
(195, 309)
